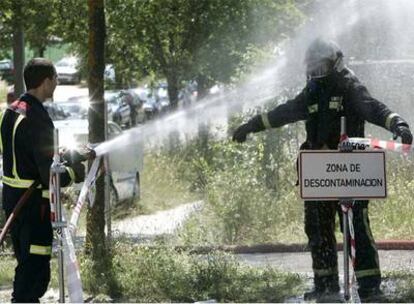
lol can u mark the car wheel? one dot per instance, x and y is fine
(137, 185)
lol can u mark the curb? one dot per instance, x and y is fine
(286, 248)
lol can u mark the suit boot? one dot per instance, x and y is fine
(326, 290)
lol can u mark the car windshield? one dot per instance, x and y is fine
(66, 62)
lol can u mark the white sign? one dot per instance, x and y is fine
(333, 175)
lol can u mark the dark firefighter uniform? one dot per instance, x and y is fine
(321, 104)
(27, 145)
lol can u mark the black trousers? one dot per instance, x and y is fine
(320, 229)
(32, 237)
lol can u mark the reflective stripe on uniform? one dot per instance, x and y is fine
(336, 103)
(389, 119)
(40, 250)
(16, 124)
(325, 272)
(367, 273)
(1, 121)
(266, 122)
(313, 108)
(17, 182)
(45, 194)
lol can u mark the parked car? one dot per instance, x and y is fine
(150, 107)
(7, 70)
(162, 98)
(78, 107)
(67, 70)
(75, 109)
(56, 112)
(125, 164)
(120, 108)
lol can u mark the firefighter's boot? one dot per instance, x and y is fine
(369, 290)
(326, 290)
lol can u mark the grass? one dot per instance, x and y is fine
(7, 265)
(161, 189)
(163, 275)
(398, 287)
(159, 274)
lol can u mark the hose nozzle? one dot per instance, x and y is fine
(78, 156)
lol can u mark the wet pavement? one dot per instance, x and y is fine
(300, 262)
(159, 223)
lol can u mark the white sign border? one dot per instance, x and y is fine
(314, 198)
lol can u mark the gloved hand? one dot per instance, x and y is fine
(73, 157)
(79, 170)
(404, 132)
(241, 132)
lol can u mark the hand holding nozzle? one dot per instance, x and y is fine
(74, 159)
(72, 156)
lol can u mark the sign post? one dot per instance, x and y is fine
(344, 177)
(57, 212)
(346, 206)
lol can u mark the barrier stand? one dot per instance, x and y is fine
(56, 211)
(346, 206)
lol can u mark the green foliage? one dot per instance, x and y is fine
(163, 275)
(161, 187)
(188, 39)
(240, 207)
(7, 265)
(40, 21)
(398, 286)
(392, 218)
(99, 277)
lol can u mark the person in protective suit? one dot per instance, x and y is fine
(28, 147)
(332, 90)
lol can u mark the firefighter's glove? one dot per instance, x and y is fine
(73, 157)
(79, 170)
(404, 132)
(241, 132)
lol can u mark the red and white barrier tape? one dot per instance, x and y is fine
(90, 179)
(374, 143)
(52, 197)
(72, 272)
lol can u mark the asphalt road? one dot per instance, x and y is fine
(300, 262)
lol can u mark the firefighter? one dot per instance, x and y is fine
(332, 90)
(27, 145)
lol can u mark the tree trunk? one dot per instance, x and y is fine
(173, 90)
(18, 49)
(202, 86)
(96, 246)
(40, 51)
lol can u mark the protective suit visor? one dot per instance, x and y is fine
(318, 69)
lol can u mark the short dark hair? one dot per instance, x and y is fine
(36, 71)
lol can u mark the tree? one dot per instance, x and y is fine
(96, 246)
(192, 39)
